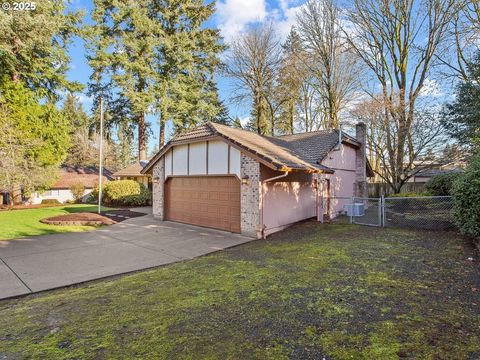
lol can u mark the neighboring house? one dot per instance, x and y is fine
(239, 181)
(69, 176)
(425, 175)
(133, 172)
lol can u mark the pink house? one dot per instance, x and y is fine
(239, 181)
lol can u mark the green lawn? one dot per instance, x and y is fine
(313, 291)
(24, 223)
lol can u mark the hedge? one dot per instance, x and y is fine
(441, 185)
(466, 196)
(51, 202)
(123, 193)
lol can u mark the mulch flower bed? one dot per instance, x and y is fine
(79, 219)
(91, 219)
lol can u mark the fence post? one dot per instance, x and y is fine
(382, 211)
(379, 204)
(351, 209)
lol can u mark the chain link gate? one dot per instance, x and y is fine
(366, 211)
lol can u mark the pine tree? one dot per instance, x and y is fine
(290, 81)
(236, 123)
(461, 117)
(74, 112)
(33, 47)
(124, 38)
(159, 57)
(34, 138)
(186, 61)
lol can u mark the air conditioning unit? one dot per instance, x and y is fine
(356, 209)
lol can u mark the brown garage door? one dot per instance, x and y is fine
(211, 201)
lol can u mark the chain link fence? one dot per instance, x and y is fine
(424, 212)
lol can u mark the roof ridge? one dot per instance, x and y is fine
(306, 132)
(211, 126)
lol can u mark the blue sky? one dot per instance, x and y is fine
(231, 17)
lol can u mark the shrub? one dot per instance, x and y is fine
(50, 202)
(466, 196)
(123, 193)
(441, 185)
(77, 190)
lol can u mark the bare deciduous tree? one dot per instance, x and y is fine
(425, 142)
(253, 63)
(398, 41)
(465, 35)
(331, 62)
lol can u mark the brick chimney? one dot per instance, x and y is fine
(361, 189)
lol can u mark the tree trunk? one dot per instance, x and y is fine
(16, 51)
(292, 109)
(161, 137)
(142, 138)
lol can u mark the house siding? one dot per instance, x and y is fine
(287, 200)
(62, 195)
(250, 197)
(343, 181)
(183, 160)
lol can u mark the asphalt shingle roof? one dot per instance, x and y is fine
(88, 176)
(311, 146)
(131, 170)
(295, 152)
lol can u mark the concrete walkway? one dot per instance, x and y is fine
(46, 262)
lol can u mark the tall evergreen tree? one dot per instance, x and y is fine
(157, 57)
(33, 46)
(461, 117)
(34, 139)
(291, 78)
(186, 61)
(124, 38)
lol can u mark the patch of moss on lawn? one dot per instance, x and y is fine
(313, 291)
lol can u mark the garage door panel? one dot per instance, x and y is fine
(211, 201)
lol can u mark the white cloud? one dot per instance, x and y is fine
(431, 88)
(286, 16)
(245, 121)
(233, 16)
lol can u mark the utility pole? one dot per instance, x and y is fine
(100, 168)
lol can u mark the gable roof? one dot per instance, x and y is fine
(132, 170)
(88, 176)
(313, 146)
(284, 153)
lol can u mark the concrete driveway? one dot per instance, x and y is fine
(51, 261)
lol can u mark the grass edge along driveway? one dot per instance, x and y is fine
(312, 291)
(16, 224)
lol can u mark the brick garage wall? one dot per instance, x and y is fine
(250, 197)
(158, 188)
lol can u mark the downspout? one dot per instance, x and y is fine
(317, 202)
(262, 194)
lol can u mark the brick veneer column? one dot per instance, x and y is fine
(250, 197)
(158, 188)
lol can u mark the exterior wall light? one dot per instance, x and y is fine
(156, 180)
(245, 180)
